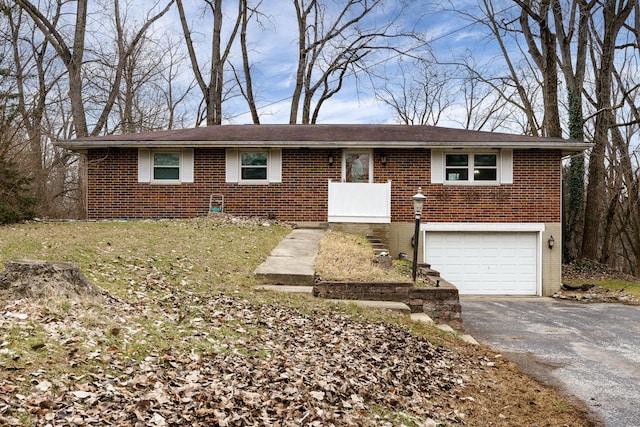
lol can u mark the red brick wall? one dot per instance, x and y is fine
(302, 196)
(534, 195)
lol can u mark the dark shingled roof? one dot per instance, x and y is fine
(324, 136)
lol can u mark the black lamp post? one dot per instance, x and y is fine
(418, 203)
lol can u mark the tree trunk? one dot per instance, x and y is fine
(248, 91)
(36, 278)
(614, 18)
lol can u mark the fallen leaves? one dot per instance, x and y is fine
(180, 339)
(284, 367)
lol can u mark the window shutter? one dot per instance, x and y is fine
(144, 165)
(186, 170)
(232, 170)
(275, 165)
(437, 166)
(506, 166)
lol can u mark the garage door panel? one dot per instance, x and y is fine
(485, 263)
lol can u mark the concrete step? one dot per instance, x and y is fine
(388, 305)
(284, 288)
(421, 317)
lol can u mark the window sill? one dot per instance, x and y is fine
(473, 184)
(253, 183)
(166, 182)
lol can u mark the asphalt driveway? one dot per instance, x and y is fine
(592, 351)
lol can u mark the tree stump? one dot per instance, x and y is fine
(37, 278)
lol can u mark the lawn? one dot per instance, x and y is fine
(180, 336)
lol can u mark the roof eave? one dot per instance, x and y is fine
(566, 146)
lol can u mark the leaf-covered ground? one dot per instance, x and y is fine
(179, 337)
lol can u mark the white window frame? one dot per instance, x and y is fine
(504, 167)
(146, 166)
(471, 167)
(233, 170)
(155, 180)
(345, 153)
(241, 167)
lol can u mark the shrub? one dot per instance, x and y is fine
(15, 202)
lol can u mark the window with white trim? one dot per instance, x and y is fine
(471, 167)
(357, 166)
(165, 166)
(253, 165)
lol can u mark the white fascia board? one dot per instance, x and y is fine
(565, 147)
(484, 226)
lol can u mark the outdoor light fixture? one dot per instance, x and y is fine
(418, 203)
(551, 242)
(383, 158)
(330, 159)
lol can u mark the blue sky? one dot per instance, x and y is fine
(274, 54)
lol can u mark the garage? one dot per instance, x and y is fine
(485, 262)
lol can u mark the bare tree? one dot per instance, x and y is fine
(174, 96)
(544, 56)
(422, 94)
(483, 109)
(571, 25)
(513, 84)
(53, 25)
(71, 56)
(621, 235)
(213, 90)
(36, 74)
(333, 43)
(614, 16)
(245, 81)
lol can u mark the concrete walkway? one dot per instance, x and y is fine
(292, 262)
(291, 268)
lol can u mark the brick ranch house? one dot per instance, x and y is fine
(493, 200)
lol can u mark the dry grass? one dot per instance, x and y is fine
(178, 292)
(348, 257)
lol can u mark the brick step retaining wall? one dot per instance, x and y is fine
(440, 302)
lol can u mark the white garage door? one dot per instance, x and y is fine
(496, 263)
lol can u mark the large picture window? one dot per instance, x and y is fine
(468, 167)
